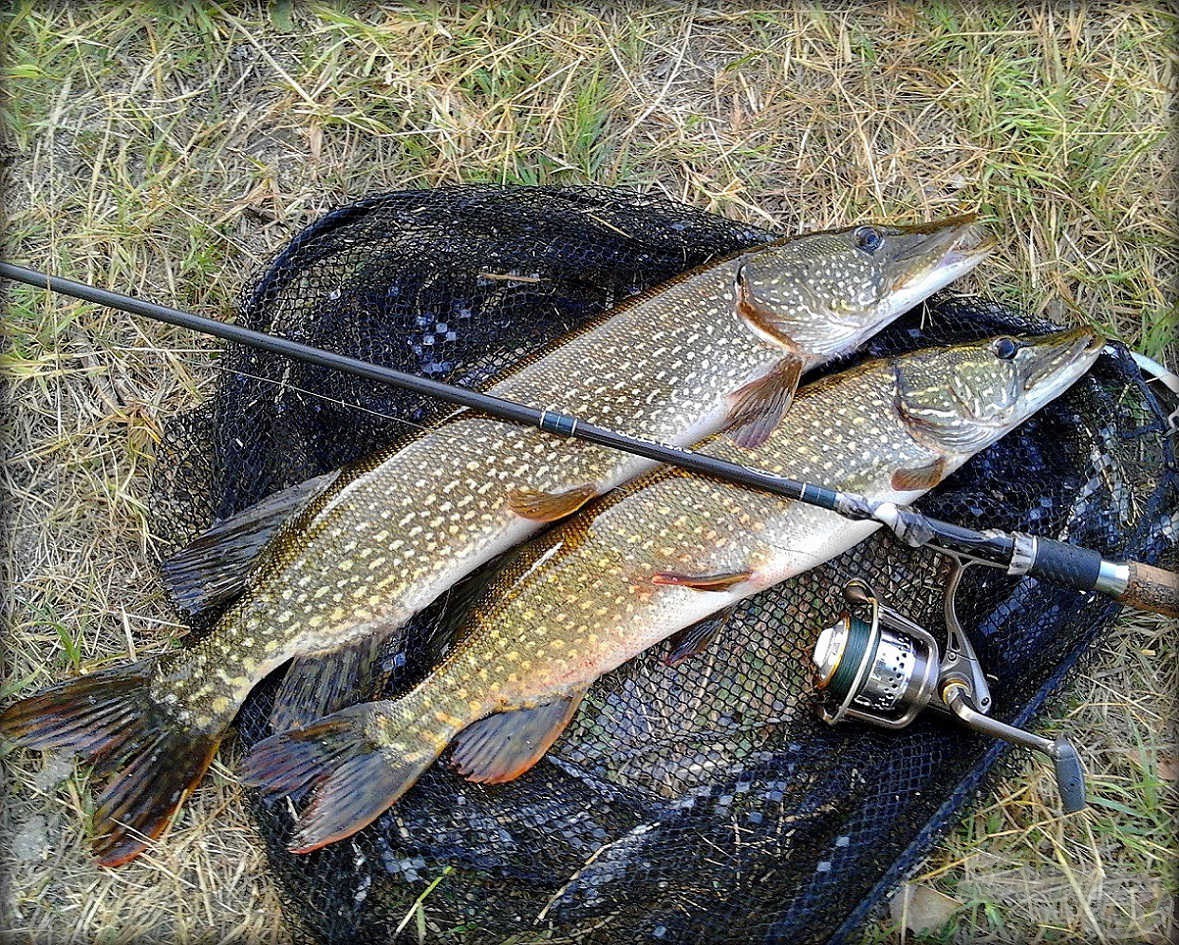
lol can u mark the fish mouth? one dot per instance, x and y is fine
(971, 247)
(1076, 348)
(1064, 357)
(950, 249)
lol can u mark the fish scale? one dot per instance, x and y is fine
(439, 507)
(356, 553)
(587, 600)
(423, 525)
(655, 557)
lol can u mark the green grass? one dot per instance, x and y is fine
(166, 149)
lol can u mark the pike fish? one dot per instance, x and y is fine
(657, 557)
(325, 570)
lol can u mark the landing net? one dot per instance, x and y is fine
(705, 803)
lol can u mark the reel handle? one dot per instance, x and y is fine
(886, 669)
(1070, 776)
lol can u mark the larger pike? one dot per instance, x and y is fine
(654, 558)
(358, 552)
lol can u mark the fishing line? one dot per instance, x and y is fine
(438, 428)
(186, 357)
(288, 386)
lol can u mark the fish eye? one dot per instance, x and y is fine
(868, 238)
(1005, 348)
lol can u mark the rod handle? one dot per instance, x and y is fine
(1151, 588)
(1139, 585)
(1062, 563)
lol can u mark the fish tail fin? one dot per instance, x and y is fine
(110, 719)
(359, 761)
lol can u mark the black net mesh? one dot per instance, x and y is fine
(705, 803)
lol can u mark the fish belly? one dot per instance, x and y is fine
(807, 538)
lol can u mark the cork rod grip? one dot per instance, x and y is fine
(1152, 589)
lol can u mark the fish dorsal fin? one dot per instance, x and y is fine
(695, 639)
(920, 478)
(756, 408)
(321, 683)
(502, 747)
(550, 506)
(214, 567)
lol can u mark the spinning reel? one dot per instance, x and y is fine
(877, 666)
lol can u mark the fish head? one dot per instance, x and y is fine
(962, 398)
(821, 294)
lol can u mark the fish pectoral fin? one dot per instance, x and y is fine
(502, 747)
(695, 639)
(549, 506)
(756, 408)
(702, 582)
(320, 683)
(214, 567)
(920, 478)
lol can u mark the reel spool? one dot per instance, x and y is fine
(881, 668)
(883, 674)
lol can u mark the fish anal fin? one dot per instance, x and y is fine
(321, 683)
(756, 408)
(549, 506)
(214, 566)
(695, 639)
(702, 582)
(919, 478)
(502, 747)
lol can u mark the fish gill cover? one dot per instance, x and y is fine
(704, 803)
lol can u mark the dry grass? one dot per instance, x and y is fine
(164, 151)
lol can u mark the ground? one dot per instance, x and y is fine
(165, 150)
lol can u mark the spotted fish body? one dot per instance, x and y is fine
(405, 527)
(655, 557)
(722, 347)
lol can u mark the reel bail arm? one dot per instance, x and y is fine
(886, 669)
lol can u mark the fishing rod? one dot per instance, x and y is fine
(1134, 583)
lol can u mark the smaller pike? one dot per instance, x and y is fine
(657, 557)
